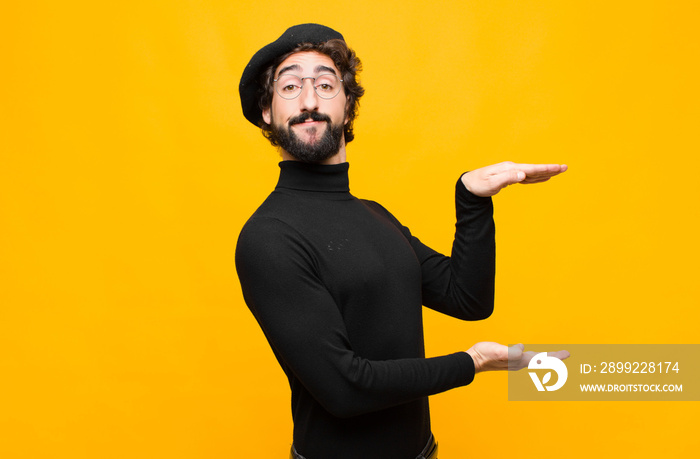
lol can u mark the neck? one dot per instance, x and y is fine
(301, 176)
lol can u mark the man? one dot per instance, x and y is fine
(337, 284)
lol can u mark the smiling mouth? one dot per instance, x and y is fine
(308, 122)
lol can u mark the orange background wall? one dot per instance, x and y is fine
(127, 171)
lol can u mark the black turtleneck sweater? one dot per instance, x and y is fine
(337, 284)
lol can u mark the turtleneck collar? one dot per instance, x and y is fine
(297, 175)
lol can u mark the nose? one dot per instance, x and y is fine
(308, 97)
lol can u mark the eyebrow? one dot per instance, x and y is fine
(288, 68)
(296, 67)
(320, 68)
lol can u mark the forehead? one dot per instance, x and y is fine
(307, 63)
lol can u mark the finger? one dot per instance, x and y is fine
(538, 178)
(561, 355)
(529, 180)
(527, 356)
(528, 168)
(542, 174)
(515, 354)
(523, 362)
(540, 170)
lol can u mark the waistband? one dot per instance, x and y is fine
(429, 452)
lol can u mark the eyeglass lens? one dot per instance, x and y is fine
(288, 86)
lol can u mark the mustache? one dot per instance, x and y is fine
(314, 116)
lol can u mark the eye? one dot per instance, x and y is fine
(326, 83)
(288, 84)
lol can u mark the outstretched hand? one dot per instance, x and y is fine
(489, 356)
(489, 180)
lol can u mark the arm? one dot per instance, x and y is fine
(307, 332)
(463, 285)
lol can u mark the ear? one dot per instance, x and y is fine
(267, 116)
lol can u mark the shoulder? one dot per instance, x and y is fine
(375, 207)
(267, 220)
(261, 232)
(380, 210)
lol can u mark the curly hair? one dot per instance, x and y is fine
(344, 59)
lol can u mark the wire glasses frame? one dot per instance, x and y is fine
(288, 86)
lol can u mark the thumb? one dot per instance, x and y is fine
(510, 177)
(515, 355)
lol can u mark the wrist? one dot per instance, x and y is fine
(465, 181)
(476, 359)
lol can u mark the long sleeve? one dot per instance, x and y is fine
(462, 285)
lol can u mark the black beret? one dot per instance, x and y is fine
(290, 39)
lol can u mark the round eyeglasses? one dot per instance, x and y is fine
(327, 86)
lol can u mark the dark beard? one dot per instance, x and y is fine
(315, 152)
